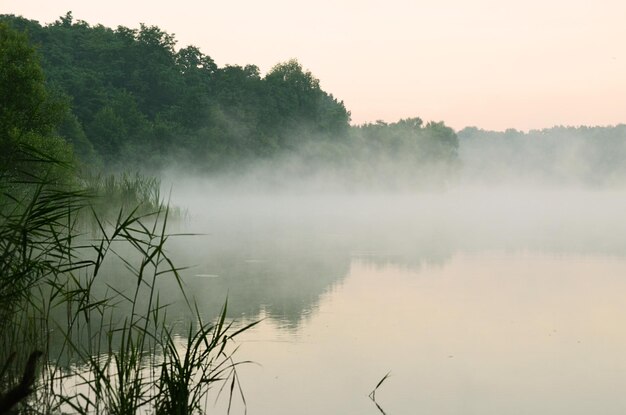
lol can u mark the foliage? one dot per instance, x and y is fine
(28, 112)
(403, 155)
(184, 376)
(582, 156)
(48, 275)
(49, 269)
(124, 191)
(26, 106)
(138, 100)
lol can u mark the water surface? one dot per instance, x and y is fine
(508, 302)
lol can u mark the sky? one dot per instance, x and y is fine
(494, 64)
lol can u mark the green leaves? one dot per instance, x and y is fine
(25, 104)
(142, 102)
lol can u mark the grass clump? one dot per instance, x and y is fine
(106, 349)
(127, 191)
(185, 377)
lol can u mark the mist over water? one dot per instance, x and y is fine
(495, 294)
(483, 270)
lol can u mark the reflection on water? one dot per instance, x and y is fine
(477, 302)
(485, 333)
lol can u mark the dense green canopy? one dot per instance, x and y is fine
(29, 113)
(137, 100)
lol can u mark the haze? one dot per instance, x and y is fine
(484, 269)
(495, 65)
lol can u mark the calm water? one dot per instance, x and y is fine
(477, 302)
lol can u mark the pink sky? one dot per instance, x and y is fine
(487, 63)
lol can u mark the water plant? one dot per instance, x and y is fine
(372, 394)
(124, 190)
(103, 345)
(52, 273)
(205, 360)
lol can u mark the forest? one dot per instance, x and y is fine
(582, 156)
(131, 98)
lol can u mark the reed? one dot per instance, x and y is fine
(186, 377)
(124, 190)
(372, 394)
(49, 270)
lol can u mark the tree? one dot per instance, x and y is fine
(29, 115)
(25, 104)
(297, 106)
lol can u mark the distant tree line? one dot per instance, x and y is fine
(134, 99)
(124, 98)
(590, 156)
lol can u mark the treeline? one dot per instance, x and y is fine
(131, 99)
(135, 99)
(590, 156)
